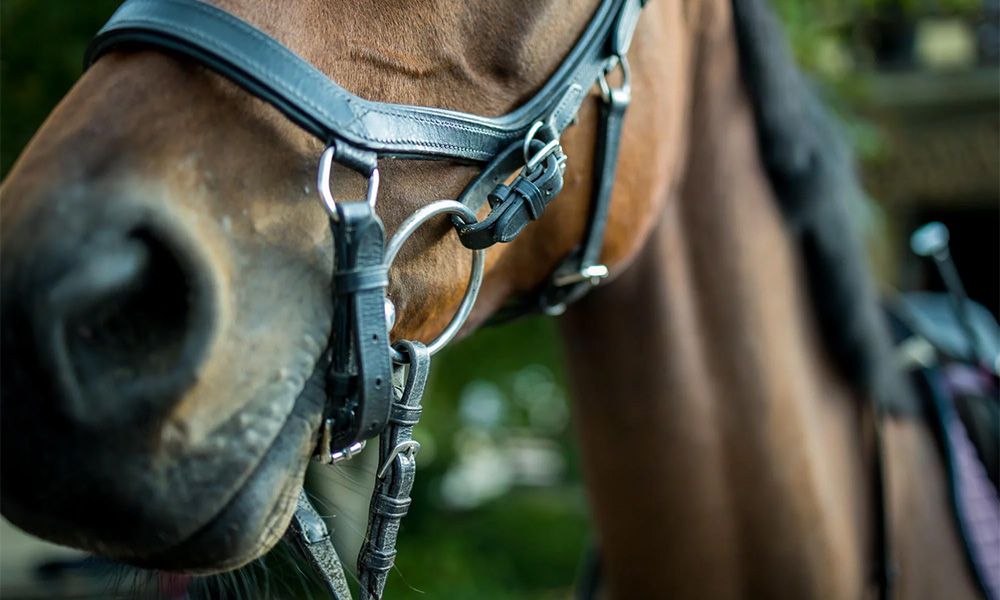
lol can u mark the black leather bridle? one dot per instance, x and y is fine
(374, 388)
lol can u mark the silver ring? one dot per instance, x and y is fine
(406, 229)
(526, 144)
(602, 79)
(541, 155)
(323, 177)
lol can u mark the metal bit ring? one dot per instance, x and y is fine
(406, 229)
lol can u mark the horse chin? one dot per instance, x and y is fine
(259, 512)
(246, 521)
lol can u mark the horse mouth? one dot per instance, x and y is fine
(258, 513)
(153, 456)
(98, 507)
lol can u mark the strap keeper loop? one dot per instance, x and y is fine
(390, 507)
(378, 561)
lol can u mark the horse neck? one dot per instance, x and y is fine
(723, 454)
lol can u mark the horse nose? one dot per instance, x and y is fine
(113, 328)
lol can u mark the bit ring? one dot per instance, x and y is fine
(406, 229)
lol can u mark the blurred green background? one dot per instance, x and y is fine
(499, 510)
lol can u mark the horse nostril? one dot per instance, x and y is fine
(125, 327)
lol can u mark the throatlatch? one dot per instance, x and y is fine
(374, 388)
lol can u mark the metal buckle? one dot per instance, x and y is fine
(323, 178)
(409, 447)
(531, 161)
(332, 458)
(594, 274)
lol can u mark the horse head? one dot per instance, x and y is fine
(167, 267)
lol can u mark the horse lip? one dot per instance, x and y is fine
(246, 520)
(217, 545)
(264, 492)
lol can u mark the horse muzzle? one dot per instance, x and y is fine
(107, 321)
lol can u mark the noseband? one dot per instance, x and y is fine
(374, 387)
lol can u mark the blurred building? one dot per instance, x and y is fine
(931, 87)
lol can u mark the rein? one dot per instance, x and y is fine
(374, 387)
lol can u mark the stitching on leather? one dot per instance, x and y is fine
(476, 151)
(423, 119)
(269, 44)
(274, 47)
(560, 113)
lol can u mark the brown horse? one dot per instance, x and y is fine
(165, 300)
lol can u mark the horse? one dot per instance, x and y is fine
(165, 302)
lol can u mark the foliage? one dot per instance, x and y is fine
(42, 55)
(824, 34)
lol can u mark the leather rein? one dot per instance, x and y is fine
(374, 387)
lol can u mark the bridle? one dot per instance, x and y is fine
(374, 387)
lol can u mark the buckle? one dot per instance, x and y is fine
(514, 206)
(593, 274)
(408, 448)
(622, 94)
(330, 457)
(565, 288)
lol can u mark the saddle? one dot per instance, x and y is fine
(953, 367)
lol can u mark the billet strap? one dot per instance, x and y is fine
(269, 70)
(310, 536)
(360, 377)
(396, 473)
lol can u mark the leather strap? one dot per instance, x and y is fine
(310, 536)
(269, 70)
(513, 206)
(397, 471)
(582, 269)
(359, 380)
(884, 569)
(361, 131)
